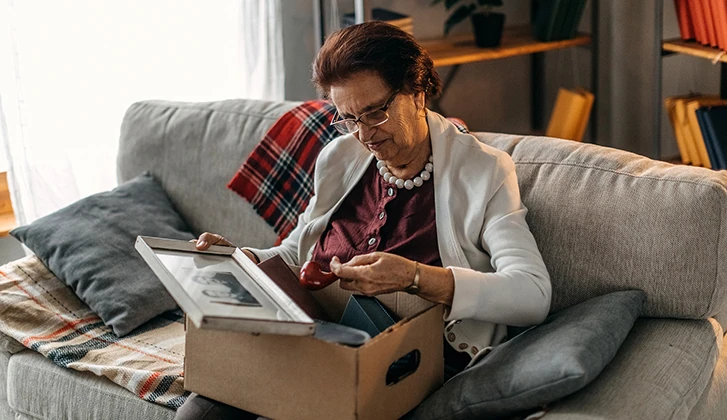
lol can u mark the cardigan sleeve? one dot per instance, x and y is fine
(518, 292)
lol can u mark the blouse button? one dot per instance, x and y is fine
(451, 337)
(390, 192)
(463, 346)
(372, 241)
(381, 215)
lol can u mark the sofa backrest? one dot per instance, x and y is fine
(194, 149)
(604, 219)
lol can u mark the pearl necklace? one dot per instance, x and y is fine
(409, 183)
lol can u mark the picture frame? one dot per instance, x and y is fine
(222, 289)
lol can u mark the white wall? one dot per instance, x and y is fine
(495, 95)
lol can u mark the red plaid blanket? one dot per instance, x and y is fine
(277, 177)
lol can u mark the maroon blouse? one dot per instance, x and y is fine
(377, 216)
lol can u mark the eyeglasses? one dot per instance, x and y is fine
(371, 118)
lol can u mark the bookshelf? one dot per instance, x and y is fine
(678, 45)
(455, 51)
(670, 47)
(516, 41)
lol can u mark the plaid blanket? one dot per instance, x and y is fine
(44, 314)
(277, 177)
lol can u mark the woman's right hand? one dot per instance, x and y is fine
(208, 239)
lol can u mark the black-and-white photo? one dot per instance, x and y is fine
(223, 289)
(227, 290)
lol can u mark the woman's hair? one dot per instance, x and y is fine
(376, 46)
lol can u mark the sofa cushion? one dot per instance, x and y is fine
(660, 372)
(713, 402)
(42, 390)
(5, 411)
(605, 220)
(214, 137)
(543, 364)
(89, 245)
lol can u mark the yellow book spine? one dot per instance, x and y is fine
(670, 105)
(565, 119)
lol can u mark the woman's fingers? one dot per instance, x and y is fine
(364, 259)
(208, 239)
(351, 270)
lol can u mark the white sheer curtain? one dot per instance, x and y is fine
(69, 69)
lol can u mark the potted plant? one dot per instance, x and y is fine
(487, 24)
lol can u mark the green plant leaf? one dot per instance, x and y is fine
(462, 13)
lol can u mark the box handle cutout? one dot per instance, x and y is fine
(403, 367)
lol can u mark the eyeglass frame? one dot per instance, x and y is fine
(385, 108)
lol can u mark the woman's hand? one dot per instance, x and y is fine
(375, 273)
(208, 239)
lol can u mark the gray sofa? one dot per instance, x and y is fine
(604, 220)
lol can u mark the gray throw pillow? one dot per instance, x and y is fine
(89, 245)
(542, 364)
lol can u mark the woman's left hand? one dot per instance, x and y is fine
(375, 273)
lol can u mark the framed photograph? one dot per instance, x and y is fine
(220, 288)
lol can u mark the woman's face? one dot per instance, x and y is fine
(399, 140)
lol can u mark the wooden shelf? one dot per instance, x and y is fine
(7, 223)
(515, 41)
(7, 218)
(678, 45)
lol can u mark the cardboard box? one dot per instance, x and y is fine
(287, 377)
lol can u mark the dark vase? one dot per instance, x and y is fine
(488, 29)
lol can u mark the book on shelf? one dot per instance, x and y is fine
(713, 121)
(686, 25)
(404, 22)
(576, 19)
(700, 27)
(704, 21)
(545, 19)
(719, 9)
(570, 115)
(696, 147)
(691, 148)
(557, 19)
(707, 157)
(671, 110)
(709, 22)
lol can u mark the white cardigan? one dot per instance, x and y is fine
(499, 275)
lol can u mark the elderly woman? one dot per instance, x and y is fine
(405, 202)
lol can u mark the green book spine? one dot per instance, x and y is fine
(569, 9)
(578, 16)
(545, 21)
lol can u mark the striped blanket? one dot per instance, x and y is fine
(44, 314)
